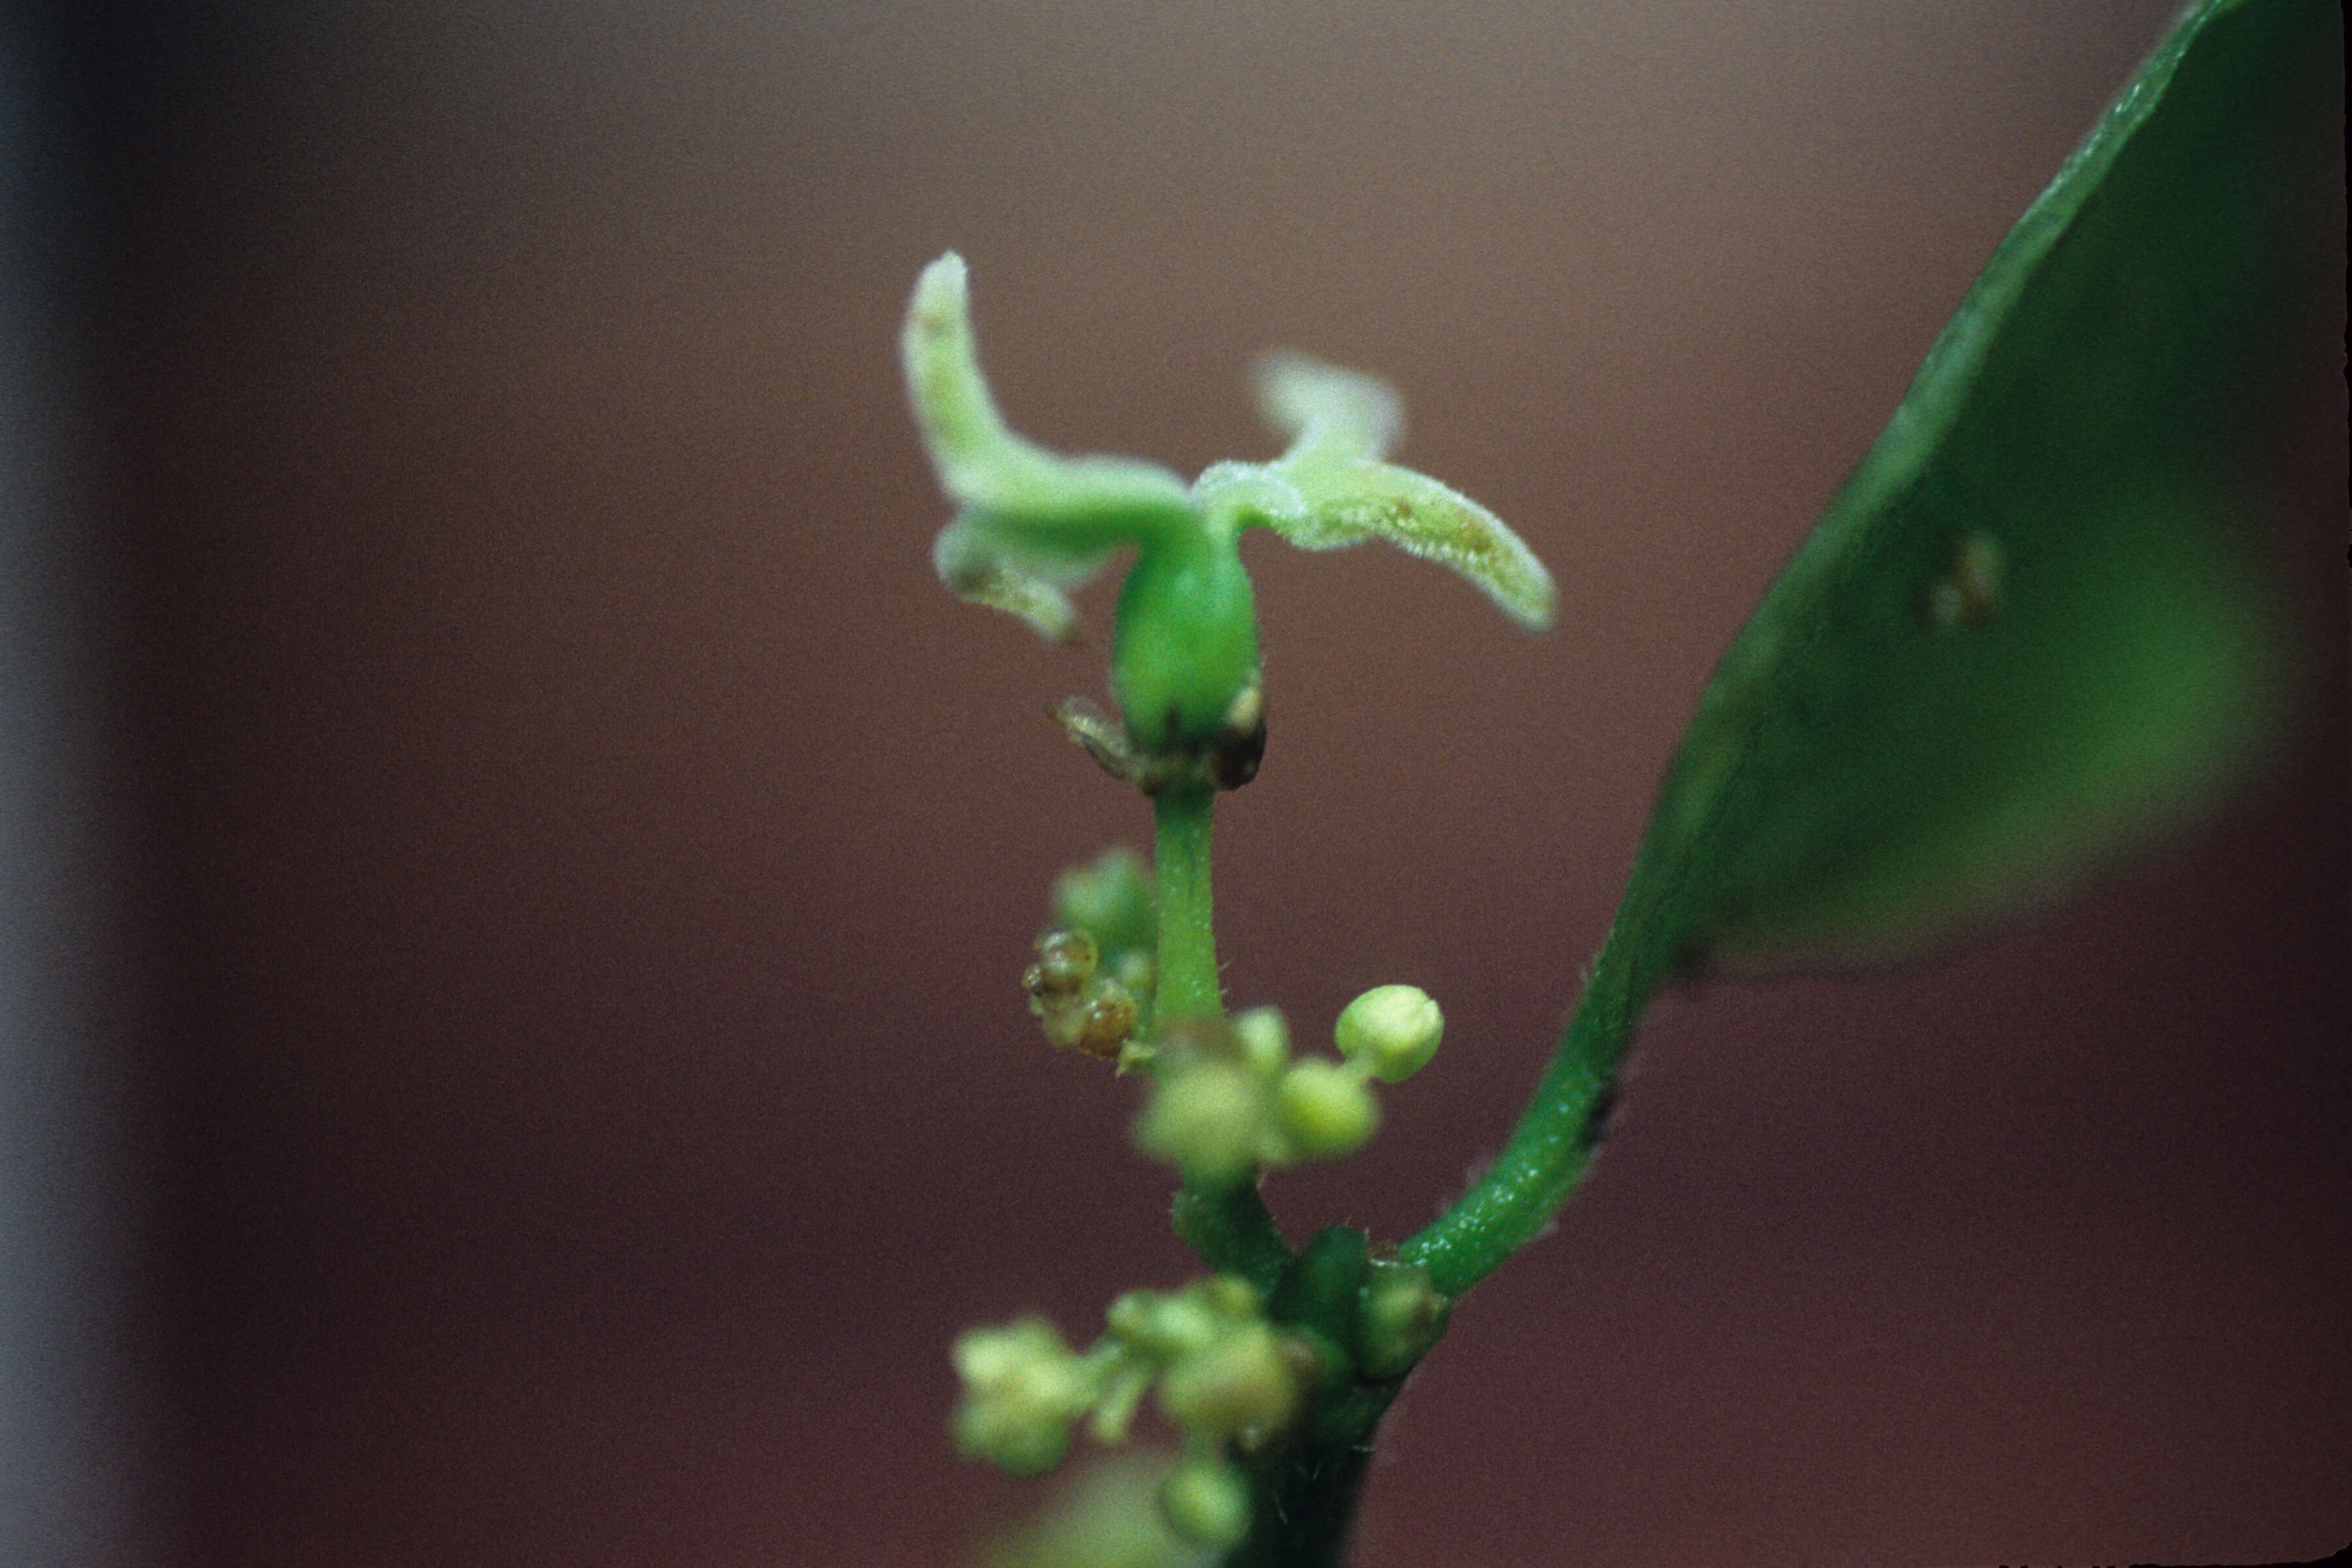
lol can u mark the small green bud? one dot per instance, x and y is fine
(1129, 1318)
(1207, 1118)
(1207, 1502)
(1022, 1388)
(1401, 1317)
(1324, 1111)
(1110, 898)
(1031, 1447)
(1241, 1382)
(1165, 1327)
(1264, 1039)
(1392, 1030)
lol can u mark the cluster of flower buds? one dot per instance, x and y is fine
(1109, 899)
(1228, 1098)
(1078, 1007)
(1225, 1376)
(1091, 982)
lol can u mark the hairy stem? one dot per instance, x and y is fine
(1303, 1505)
(1565, 1119)
(1232, 1232)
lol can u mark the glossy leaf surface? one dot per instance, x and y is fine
(2030, 630)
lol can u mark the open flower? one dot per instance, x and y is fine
(1032, 525)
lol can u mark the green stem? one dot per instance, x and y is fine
(1304, 1488)
(1303, 1503)
(1186, 985)
(1232, 1232)
(1229, 1226)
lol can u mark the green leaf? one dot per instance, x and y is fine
(2031, 629)
(2029, 632)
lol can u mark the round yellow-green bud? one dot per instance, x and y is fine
(1392, 1030)
(1324, 1111)
(1207, 1502)
(1401, 1317)
(1207, 1119)
(1241, 1382)
(1022, 1389)
(1133, 1316)
(1264, 1039)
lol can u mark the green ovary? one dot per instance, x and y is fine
(1187, 643)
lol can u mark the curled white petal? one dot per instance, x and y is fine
(1330, 489)
(1033, 523)
(982, 464)
(1327, 412)
(1424, 518)
(976, 563)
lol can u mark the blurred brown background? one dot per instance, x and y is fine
(586, 861)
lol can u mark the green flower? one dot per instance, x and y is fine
(1184, 666)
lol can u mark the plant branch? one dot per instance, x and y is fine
(1567, 1116)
